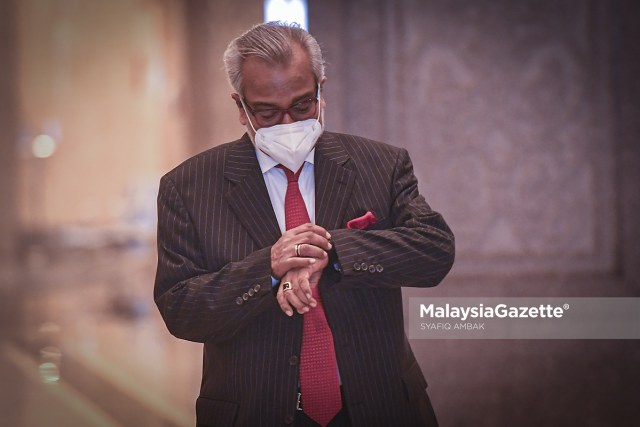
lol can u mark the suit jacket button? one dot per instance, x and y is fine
(257, 287)
(356, 266)
(372, 268)
(364, 266)
(245, 296)
(288, 419)
(251, 292)
(379, 268)
(293, 360)
(239, 301)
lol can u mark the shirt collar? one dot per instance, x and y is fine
(267, 163)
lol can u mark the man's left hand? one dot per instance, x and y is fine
(295, 288)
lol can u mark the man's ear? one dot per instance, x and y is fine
(243, 116)
(323, 103)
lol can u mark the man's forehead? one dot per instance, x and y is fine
(273, 83)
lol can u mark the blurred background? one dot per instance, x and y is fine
(522, 119)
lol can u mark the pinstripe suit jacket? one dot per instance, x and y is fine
(213, 284)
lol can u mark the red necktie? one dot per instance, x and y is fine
(319, 383)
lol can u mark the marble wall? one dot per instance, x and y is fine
(506, 109)
(522, 120)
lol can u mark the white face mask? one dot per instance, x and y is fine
(288, 144)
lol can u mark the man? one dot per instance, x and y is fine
(284, 252)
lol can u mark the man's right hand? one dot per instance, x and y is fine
(311, 241)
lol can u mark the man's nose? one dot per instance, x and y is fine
(286, 119)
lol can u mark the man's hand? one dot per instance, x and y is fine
(299, 247)
(295, 287)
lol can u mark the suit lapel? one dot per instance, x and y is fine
(249, 198)
(334, 181)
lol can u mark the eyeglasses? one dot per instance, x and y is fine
(301, 110)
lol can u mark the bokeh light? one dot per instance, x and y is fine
(43, 146)
(286, 11)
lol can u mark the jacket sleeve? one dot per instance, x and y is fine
(412, 247)
(197, 304)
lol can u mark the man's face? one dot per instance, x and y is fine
(276, 86)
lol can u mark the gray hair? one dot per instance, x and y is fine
(272, 42)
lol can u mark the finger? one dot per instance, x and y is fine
(319, 265)
(306, 250)
(283, 303)
(310, 228)
(313, 239)
(281, 264)
(305, 288)
(295, 262)
(293, 299)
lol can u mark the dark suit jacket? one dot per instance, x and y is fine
(213, 284)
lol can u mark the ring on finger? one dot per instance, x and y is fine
(297, 247)
(286, 286)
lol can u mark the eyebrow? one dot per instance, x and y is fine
(295, 101)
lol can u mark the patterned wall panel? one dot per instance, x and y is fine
(504, 106)
(522, 119)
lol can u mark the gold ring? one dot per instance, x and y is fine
(286, 286)
(298, 249)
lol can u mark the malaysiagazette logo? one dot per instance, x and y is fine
(523, 318)
(482, 311)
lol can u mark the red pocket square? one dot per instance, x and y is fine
(363, 221)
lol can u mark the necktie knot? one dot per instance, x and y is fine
(291, 177)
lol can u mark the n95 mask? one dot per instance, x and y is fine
(289, 144)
